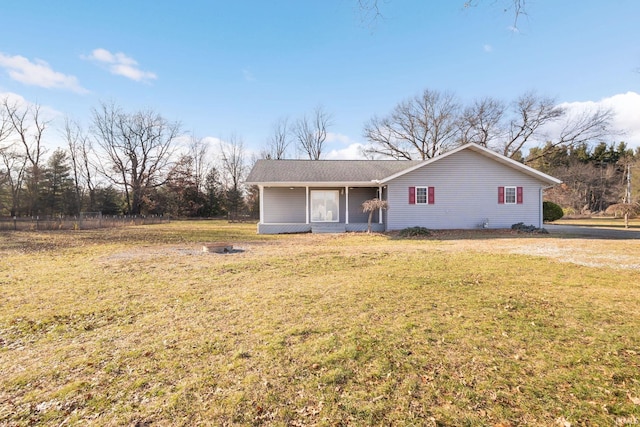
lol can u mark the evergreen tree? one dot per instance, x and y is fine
(213, 194)
(57, 195)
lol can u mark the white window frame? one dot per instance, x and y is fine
(426, 195)
(515, 195)
(319, 213)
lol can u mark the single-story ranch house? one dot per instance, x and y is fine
(469, 187)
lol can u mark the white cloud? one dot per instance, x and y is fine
(626, 121)
(348, 149)
(121, 65)
(351, 152)
(339, 138)
(487, 48)
(38, 73)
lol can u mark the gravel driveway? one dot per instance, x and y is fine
(599, 232)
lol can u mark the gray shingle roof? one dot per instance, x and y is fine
(338, 171)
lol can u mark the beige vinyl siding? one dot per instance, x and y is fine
(284, 205)
(466, 194)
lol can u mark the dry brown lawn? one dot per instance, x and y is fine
(139, 327)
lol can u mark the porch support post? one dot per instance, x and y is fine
(380, 209)
(346, 205)
(307, 204)
(261, 187)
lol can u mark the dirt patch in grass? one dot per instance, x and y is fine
(609, 253)
(587, 252)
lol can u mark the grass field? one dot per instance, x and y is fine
(138, 327)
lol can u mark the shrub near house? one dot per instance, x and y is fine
(551, 211)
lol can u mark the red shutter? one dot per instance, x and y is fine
(500, 195)
(432, 195)
(519, 195)
(412, 195)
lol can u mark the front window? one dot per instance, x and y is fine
(324, 205)
(421, 195)
(510, 195)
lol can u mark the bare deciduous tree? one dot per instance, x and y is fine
(6, 128)
(82, 165)
(198, 151)
(137, 150)
(28, 126)
(5, 131)
(311, 133)
(278, 141)
(533, 113)
(419, 128)
(624, 209)
(13, 175)
(481, 122)
(370, 9)
(234, 170)
(425, 126)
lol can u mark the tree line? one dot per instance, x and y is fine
(126, 163)
(594, 177)
(140, 163)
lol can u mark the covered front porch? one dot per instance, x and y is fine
(325, 209)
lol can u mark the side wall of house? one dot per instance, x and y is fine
(465, 187)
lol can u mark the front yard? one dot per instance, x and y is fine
(138, 326)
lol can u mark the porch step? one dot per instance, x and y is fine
(328, 228)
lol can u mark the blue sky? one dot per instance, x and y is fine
(226, 68)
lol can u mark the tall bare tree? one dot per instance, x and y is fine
(481, 122)
(82, 165)
(13, 173)
(371, 11)
(28, 127)
(418, 128)
(6, 127)
(137, 150)
(531, 113)
(278, 141)
(311, 132)
(534, 114)
(425, 126)
(198, 151)
(5, 131)
(234, 169)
